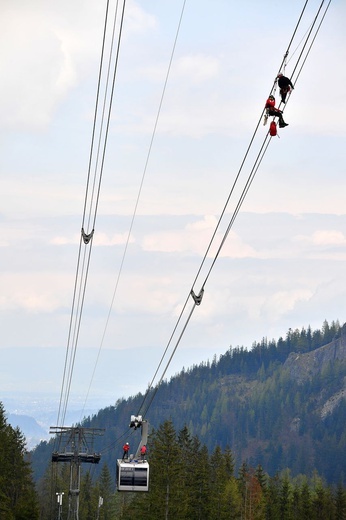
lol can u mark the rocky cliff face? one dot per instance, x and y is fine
(305, 366)
(302, 367)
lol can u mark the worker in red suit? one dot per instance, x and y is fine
(143, 451)
(126, 449)
(273, 111)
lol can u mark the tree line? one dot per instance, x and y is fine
(188, 483)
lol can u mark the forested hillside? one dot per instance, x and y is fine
(189, 483)
(280, 404)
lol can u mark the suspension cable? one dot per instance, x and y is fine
(137, 199)
(251, 176)
(87, 237)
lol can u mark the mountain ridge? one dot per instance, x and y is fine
(281, 404)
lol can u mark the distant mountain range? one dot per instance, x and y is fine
(34, 433)
(35, 424)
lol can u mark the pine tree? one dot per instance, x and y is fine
(194, 476)
(87, 503)
(272, 505)
(340, 503)
(305, 502)
(105, 490)
(17, 491)
(164, 471)
(231, 500)
(186, 465)
(321, 501)
(19, 499)
(200, 503)
(285, 498)
(46, 493)
(224, 494)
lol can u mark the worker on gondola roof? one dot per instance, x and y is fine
(126, 449)
(143, 451)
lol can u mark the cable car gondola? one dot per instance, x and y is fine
(132, 474)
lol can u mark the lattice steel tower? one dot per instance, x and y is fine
(75, 446)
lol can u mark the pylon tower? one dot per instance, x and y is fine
(75, 446)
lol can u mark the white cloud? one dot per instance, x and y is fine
(37, 68)
(34, 292)
(195, 238)
(138, 20)
(280, 303)
(328, 237)
(63, 240)
(102, 239)
(47, 50)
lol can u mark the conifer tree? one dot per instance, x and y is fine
(106, 491)
(45, 493)
(272, 506)
(17, 491)
(223, 491)
(340, 503)
(200, 503)
(186, 473)
(305, 512)
(322, 505)
(165, 476)
(285, 498)
(87, 505)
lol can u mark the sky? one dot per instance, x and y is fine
(177, 138)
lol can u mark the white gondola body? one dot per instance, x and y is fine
(132, 475)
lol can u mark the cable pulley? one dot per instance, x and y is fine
(87, 236)
(197, 298)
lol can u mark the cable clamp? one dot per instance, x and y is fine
(136, 421)
(197, 298)
(87, 237)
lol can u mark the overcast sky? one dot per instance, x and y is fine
(283, 264)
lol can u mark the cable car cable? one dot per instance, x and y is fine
(88, 177)
(308, 36)
(138, 197)
(247, 186)
(164, 354)
(77, 307)
(245, 190)
(313, 40)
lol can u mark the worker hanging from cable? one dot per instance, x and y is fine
(285, 85)
(271, 110)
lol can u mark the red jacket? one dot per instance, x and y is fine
(270, 103)
(126, 447)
